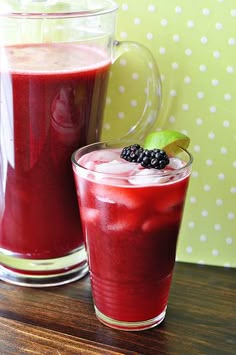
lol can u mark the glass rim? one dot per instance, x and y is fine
(107, 144)
(109, 7)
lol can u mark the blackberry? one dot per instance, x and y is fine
(148, 158)
(131, 153)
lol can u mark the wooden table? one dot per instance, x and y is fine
(201, 319)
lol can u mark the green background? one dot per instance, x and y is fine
(194, 44)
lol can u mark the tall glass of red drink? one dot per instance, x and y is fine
(131, 218)
(54, 67)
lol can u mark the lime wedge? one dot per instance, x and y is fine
(170, 141)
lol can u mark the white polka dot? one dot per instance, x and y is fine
(229, 240)
(188, 52)
(193, 199)
(204, 213)
(121, 89)
(215, 252)
(107, 126)
(217, 227)
(120, 115)
(209, 162)
(189, 249)
(212, 109)
(231, 216)
(227, 265)
(206, 12)
(201, 262)
(185, 107)
(203, 68)
(200, 95)
(135, 76)
(215, 82)
(133, 103)
(125, 7)
(221, 176)
(191, 225)
(195, 174)
(197, 148)
(233, 12)
(203, 238)
(233, 190)
(219, 26)
(227, 97)
(137, 21)
(172, 119)
(151, 8)
(175, 65)
(187, 80)
(216, 54)
(123, 62)
(190, 24)
(229, 69)
(162, 50)
(173, 93)
(163, 78)
(211, 135)
(199, 121)
(204, 40)
(234, 164)
(178, 9)
(108, 100)
(207, 188)
(164, 22)
(123, 35)
(231, 41)
(149, 103)
(176, 38)
(226, 123)
(149, 36)
(223, 150)
(219, 202)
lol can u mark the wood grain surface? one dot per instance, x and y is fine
(201, 318)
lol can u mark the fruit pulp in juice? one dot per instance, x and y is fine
(58, 95)
(131, 222)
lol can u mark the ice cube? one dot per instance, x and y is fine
(105, 199)
(128, 221)
(117, 194)
(175, 163)
(85, 173)
(90, 165)
(151, 224)
(147, 177)
(115, 167)
(103, 155)
(90, 215)
(155, 223)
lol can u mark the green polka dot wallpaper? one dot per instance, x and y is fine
(194, 44)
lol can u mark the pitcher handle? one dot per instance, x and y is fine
(154, 89)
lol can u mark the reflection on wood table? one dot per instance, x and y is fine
(201, 318)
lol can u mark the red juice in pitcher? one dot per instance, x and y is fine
(131, 218)
(57, 93)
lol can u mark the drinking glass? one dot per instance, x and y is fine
(131, 218)
(55, 58)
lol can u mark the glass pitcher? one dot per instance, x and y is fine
(54, 70)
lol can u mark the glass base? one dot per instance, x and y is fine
(130, 326)
(43, 272)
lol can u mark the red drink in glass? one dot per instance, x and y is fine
(57, 106)
(131, 218)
